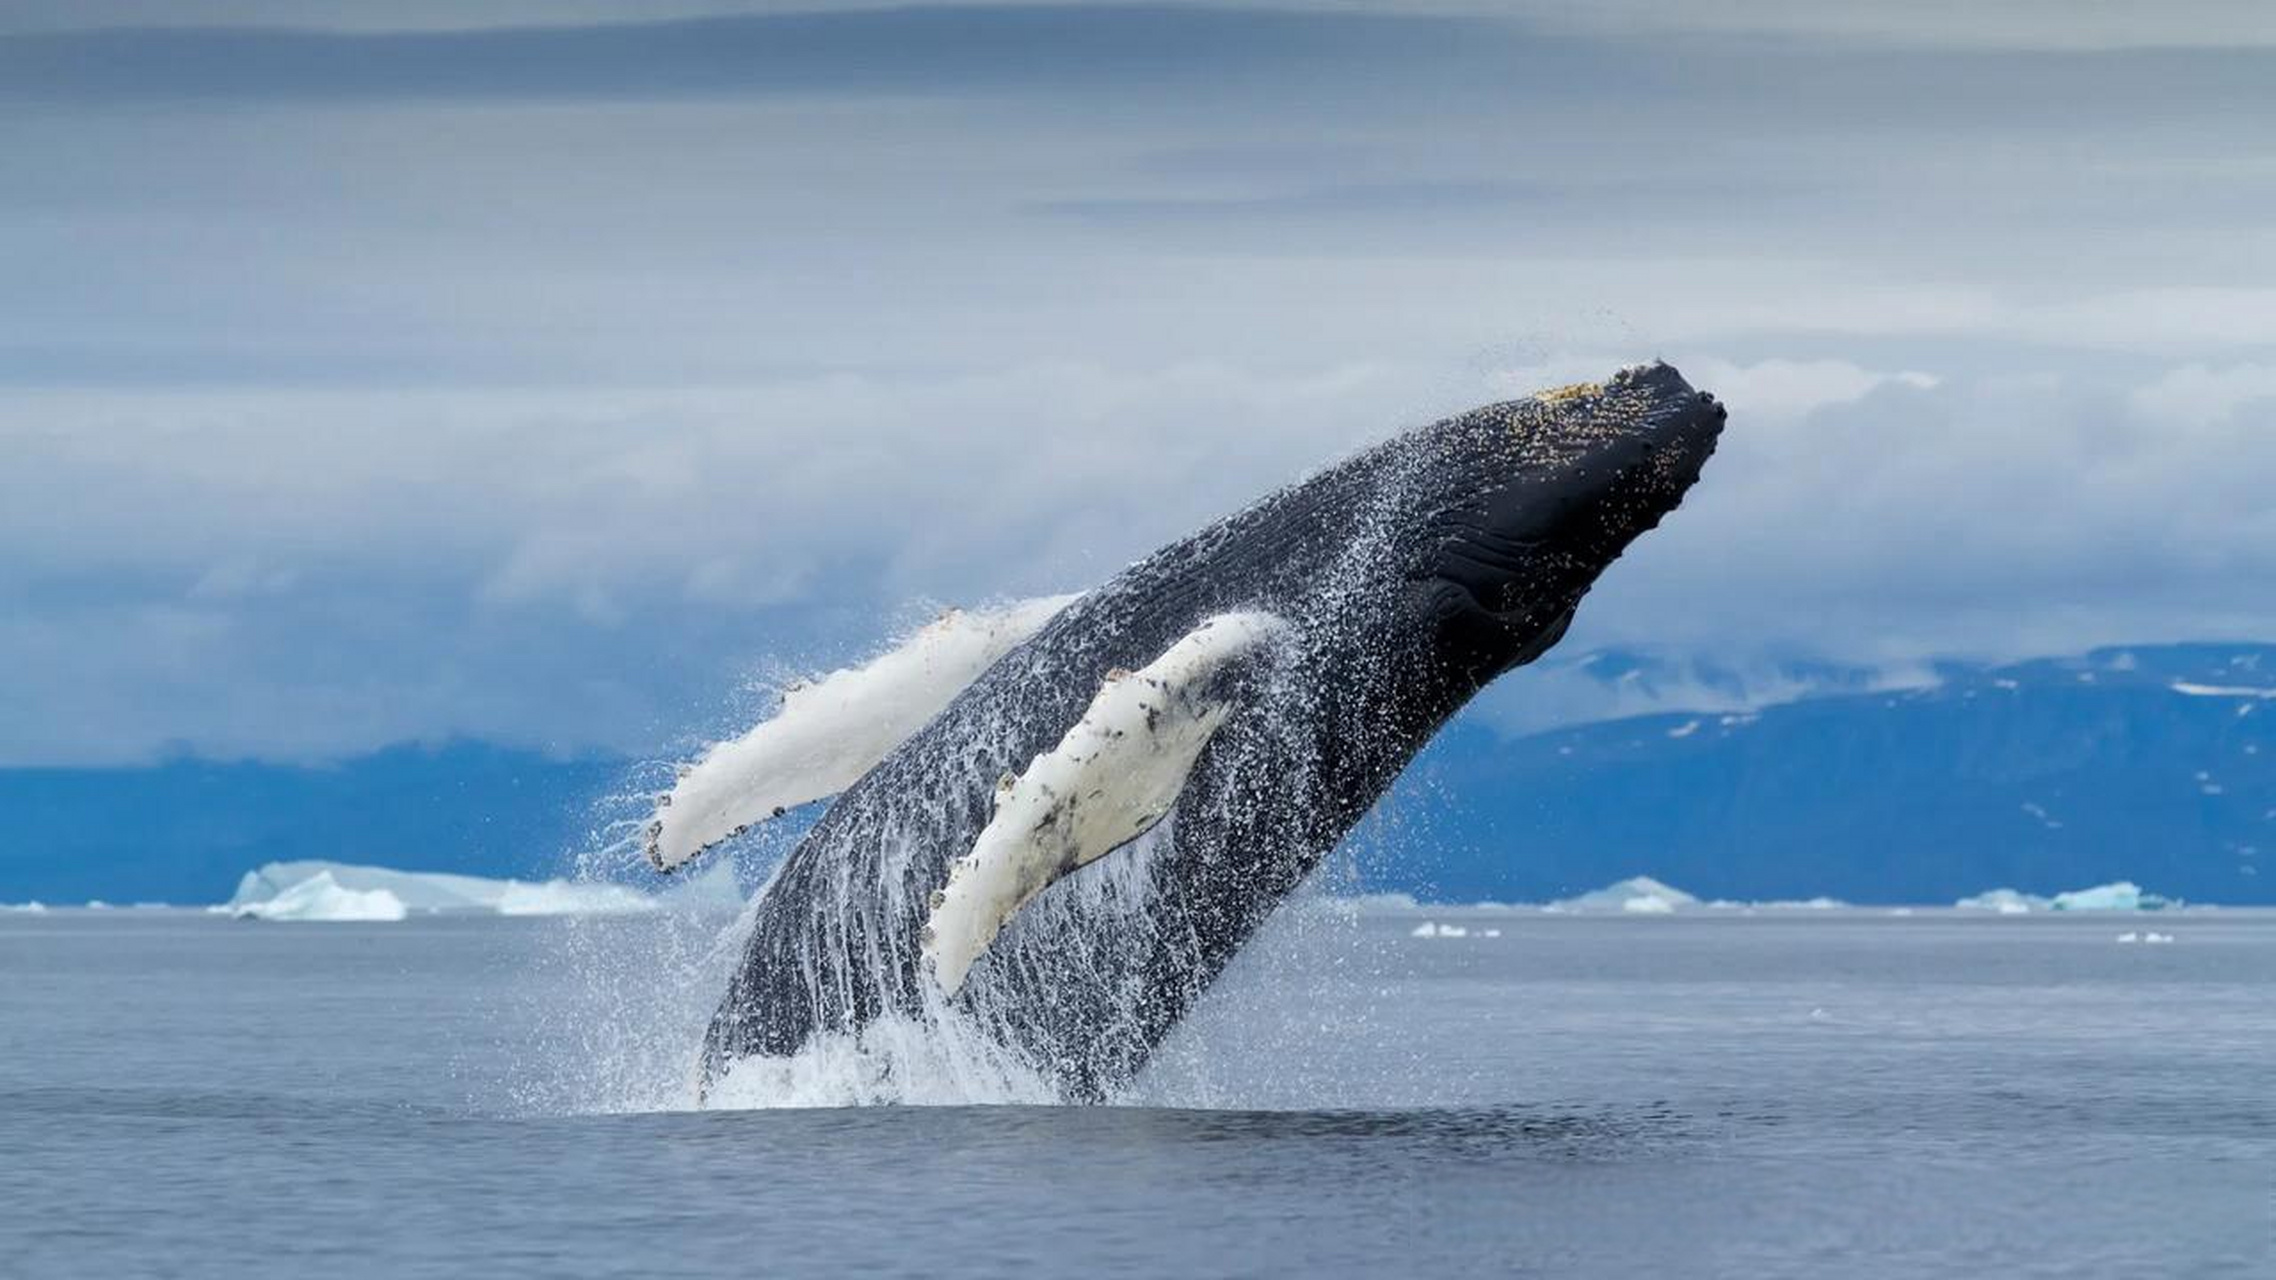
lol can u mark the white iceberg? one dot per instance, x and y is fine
(435, 892)
(320, 897)
(2007, 902)
(1638, 895)
(1433, 929)
(25, 908)
(2119, 895)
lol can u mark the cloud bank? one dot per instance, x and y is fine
(550, 377)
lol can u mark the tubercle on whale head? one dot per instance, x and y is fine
(1565, 479)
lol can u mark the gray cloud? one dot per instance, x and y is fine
(580, 569)
(928, 50)
(2021, 24)
(541, 382)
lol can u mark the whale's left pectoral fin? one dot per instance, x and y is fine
(831, 732)
(1113, 776)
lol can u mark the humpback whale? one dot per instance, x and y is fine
(1087, 805)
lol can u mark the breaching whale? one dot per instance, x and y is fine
(1099, 799)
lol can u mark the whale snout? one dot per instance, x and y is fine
(1674, 415)
(1567, 479)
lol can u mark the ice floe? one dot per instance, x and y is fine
(1433, 929)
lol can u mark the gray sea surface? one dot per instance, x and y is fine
(1788, 1093)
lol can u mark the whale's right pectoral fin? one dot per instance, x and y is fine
(1111, 778)
(829, 733)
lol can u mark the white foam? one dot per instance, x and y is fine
(827, 734)
(567, 898)
(893, 1060)
(1363, 902)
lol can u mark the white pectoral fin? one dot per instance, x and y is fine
(1114, 775)
(829, 733)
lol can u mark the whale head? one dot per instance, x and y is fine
(1561, 483)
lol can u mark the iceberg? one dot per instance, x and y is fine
(2119, 895)
(1637, 895)
(320, 897)
(25, 908)
(2007, 902)
(321, 887)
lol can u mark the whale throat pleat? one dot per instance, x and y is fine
(1115, 774)
(829, 733)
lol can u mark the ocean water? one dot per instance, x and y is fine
(1780, 1094)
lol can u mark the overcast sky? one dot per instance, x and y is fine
(416, 369)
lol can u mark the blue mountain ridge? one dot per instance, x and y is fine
(2154, 763)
